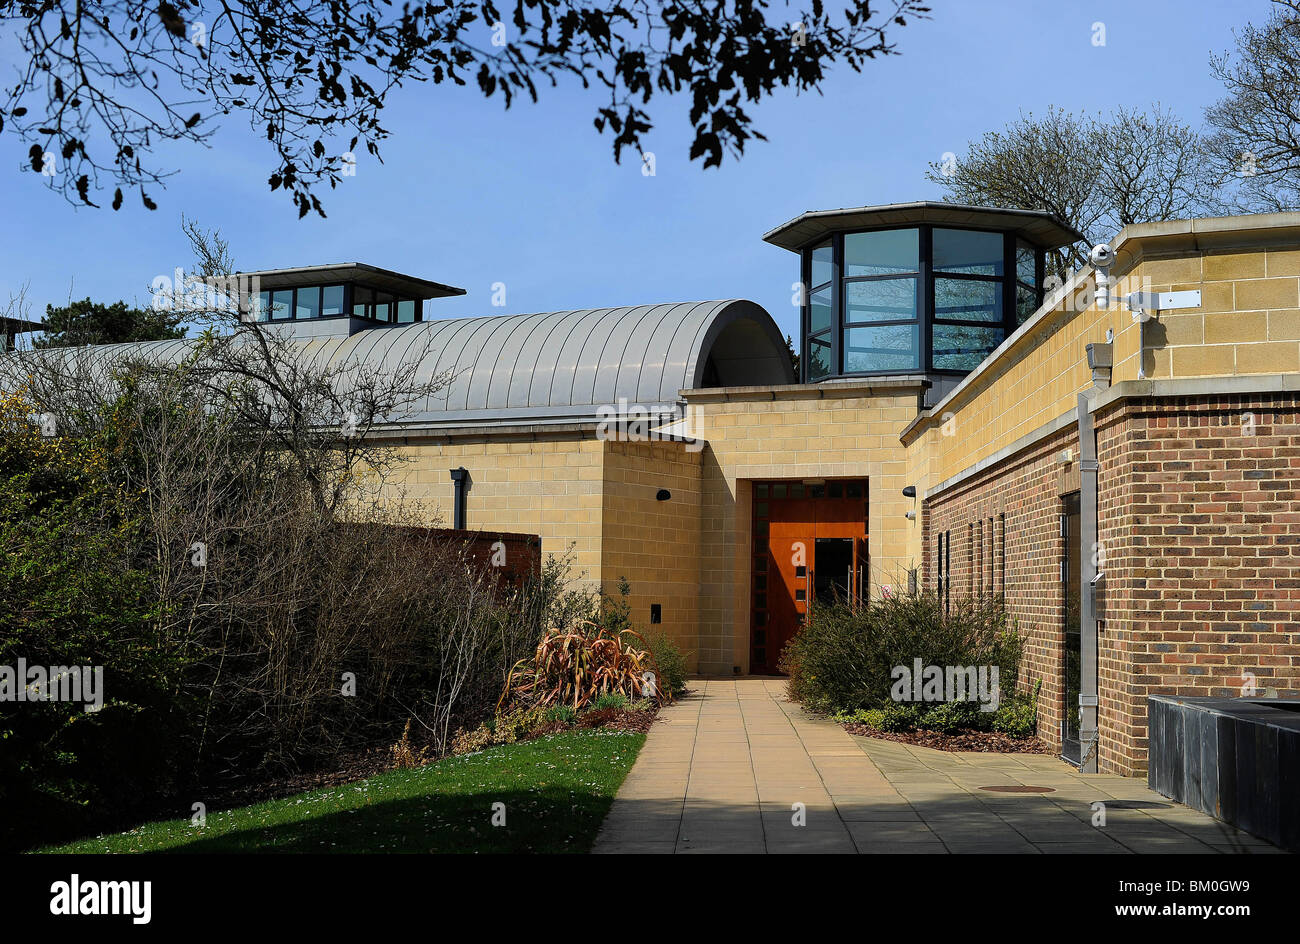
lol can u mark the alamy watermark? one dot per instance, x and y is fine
(946, 683)
(36, 683)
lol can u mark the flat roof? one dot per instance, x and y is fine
(386, 279)
(16, 325)
(1036, 226)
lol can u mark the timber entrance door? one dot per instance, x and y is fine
(810, 547)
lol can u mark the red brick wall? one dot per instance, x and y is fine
(1199, 509)
(1026, 489)
(1199, 534)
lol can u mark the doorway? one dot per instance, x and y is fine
(810, 548)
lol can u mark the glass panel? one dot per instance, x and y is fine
(823, 265)
(1026, 270)
(263, 309)
(880, 300)
(760, 491)
(819, 358)
(383, 305)
(888, 347)
(760, 509)
(281, 303)
(882, 253)
(962, 347)
(967, 300)
(778, 491)
(307, 304)
(963, 250)
(1026, 303)
(361, 299)
(405, 311)
(819, 316)
(796, 491)
(331, 300)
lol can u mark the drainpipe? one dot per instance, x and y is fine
(1099, 361)
(461, 479)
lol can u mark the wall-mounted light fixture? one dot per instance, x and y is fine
(663, 495)
(911, 516)
(909, 491)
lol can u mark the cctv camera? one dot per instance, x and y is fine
(1102, 255)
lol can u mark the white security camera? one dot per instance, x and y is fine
(1102, 255)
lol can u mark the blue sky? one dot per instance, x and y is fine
(472, 195)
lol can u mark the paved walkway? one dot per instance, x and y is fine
(724, 768)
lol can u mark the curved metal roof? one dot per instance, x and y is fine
(554, 366)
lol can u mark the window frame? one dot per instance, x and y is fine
(924, 319)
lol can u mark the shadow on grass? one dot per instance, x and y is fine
(541, 821)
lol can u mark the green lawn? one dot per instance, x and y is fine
(556, 792)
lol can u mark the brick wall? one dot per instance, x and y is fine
(1199, 508)
(1022, 497)
(1199, 534)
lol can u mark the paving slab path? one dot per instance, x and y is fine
(736, 767)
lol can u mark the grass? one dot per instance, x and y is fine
(556, 792)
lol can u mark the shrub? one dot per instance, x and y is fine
(671, 662)
(1017, 716)
(844, 657)
(952, 716)
(610, 700)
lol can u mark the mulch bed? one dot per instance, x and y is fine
(983, 742)
(375, 760)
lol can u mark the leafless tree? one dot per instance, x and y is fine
(284, 570)
(1255, 127)
(1096, 174)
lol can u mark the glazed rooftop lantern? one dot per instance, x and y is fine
(912, 288)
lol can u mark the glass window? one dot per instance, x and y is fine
(963, 250)
(819, 318)
(962, 347)
(967, 300)
(331, 300)
(307, 304)
(1026, 268)
(263, 309)
(281, 303)
(1026, 303)
(361, 299)
(405, 311)
(383, 306)
(819, 358)
(883, 253)
(881, 347)
(823, 265)
(880, 300)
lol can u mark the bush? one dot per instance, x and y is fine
(671, 663)
(844, 658)
(1017, 716)
(952, 716)
(610, 700)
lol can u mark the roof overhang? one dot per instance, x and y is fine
(13, 325)
(385, 279)
(1035, 226)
